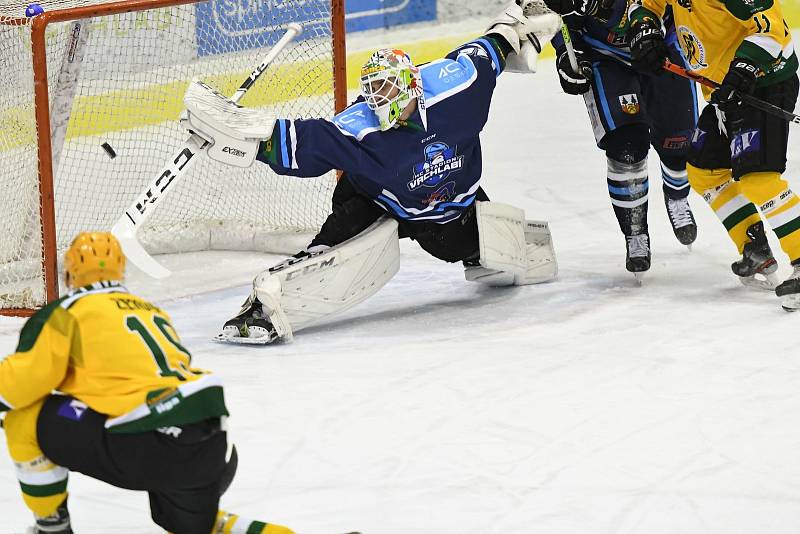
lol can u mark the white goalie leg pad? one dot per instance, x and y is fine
(300, 292)
(233, 132)
(501, 237)
(542, 265)
(513, 251)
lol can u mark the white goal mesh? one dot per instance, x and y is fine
(120, 84)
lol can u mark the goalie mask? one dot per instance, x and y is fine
(389, 82)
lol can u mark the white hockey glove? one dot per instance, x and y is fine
(233, 132)
(527, 25)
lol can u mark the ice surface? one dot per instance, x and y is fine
(583, 406)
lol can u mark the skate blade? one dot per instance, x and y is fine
(764, 282)
(790, 303)
(639, 278)
(239, 340)
(689, 247)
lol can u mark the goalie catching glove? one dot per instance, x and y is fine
(233, 132)
(527, 25)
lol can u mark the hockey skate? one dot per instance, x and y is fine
(55, 523)
(757, 267)
(637, 259)
(682, 220)
(250, 326)
(789, 290)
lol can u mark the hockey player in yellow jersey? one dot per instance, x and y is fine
(129, 409)
(738, 153)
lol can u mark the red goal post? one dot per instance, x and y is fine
(126, 89)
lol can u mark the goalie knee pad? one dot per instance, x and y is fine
(513, 251)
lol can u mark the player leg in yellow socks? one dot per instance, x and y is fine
(43, 484)
(228, 523)
(780, 206)
(740, 218)
(781, 209)
(726, 198)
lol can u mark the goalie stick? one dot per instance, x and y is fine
(127, 226)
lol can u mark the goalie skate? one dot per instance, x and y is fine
(250, 326)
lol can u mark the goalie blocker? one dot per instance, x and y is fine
(303, 290)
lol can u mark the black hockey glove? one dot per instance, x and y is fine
(740, 80)
(574, 83)
(648, 50)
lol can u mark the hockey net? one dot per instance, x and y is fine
(116, 74)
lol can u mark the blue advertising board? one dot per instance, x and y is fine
(230, 25)
(372, 14)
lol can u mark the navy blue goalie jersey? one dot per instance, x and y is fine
(426, 169)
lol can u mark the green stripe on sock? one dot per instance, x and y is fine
(786, 229)
(48, 490)
(256, 527)
(739, 215)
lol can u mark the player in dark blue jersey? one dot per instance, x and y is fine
(629, 112)
(410, 153)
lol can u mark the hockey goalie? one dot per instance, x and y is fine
(410, 157)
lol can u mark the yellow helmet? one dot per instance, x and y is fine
(93, 257)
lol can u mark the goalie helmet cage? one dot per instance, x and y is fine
(92, 91)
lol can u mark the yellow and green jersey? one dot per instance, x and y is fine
(712, 32)
(115, 352)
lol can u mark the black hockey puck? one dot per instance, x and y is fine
(109, 150)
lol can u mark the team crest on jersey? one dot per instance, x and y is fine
(629, 104)
(692, 48)
(440, 161)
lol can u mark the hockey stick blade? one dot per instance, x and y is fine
(128, 225)
(125, 233)
(125, 229)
